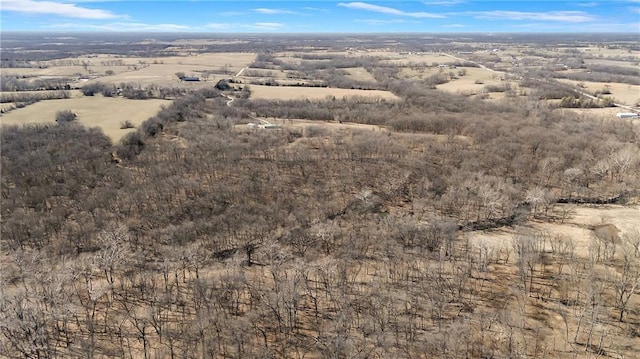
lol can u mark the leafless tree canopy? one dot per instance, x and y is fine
(197, 236)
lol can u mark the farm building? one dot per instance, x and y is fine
(627, 115)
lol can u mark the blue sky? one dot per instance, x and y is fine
(320, 16)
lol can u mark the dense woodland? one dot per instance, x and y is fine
(196, 237)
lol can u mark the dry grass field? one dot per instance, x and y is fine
(314, 93)
(159, 71)
(327, 128)
(622, 93)
(606, 62)
(96, 111)
(288, 58)
(54, 71)
(578, 227)
(406, 59)
(603, 114)
(263, 74)
(360, 74)
(611, 52)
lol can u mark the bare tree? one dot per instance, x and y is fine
(628, 279)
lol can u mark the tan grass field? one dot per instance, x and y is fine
(622, 93)
(415, 141)
(57, 71)
(603, 114)
(597, 51)
(463, 86)
(143, 71)
(288, 59)
(313, 93)
(466, 85)
(96, 111)
(607, 62)
(419, 72)
(360, 74)
(577, 227)
(153, 74)
(417, 58)
(235, 60)
(263, 73)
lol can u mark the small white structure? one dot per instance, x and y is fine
(264, 124)
(627, 115)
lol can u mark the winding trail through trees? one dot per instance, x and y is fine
(230, 99)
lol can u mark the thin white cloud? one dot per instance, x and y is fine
(269, 25)
(310, 8)
(559, 16)
(574, 27)
(454, 26)
(143, 27)
(387, 10)
(55, 8)
(444, 2)
(381, 22)
(85, 1)
(217, 26)
(123, 26)
(267, 11)
(588, 4)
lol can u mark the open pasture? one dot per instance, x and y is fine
(474, 81)
(360, 74)
(602, 114)
(604, 52)
(314, 93)
(96, 111)
(160, 71)
(578, 227)
(405, 59)
(625, 94)
(608, 62)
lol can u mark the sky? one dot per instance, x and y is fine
(307, 16)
